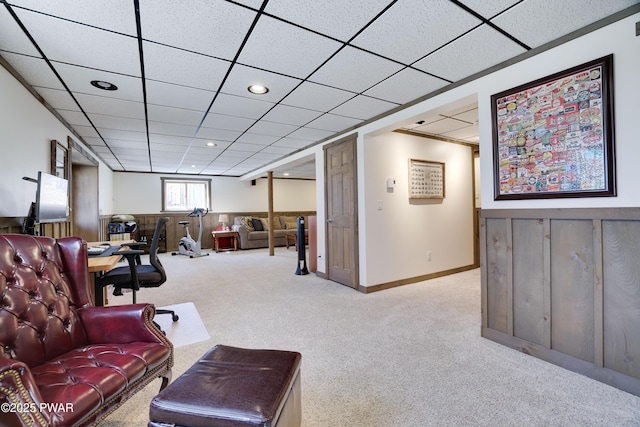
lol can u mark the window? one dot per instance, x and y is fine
(185, 194)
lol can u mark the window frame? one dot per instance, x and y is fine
(166, 180)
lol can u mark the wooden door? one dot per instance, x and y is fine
(84, 202)
(341, 212)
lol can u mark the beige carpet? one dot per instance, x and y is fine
(408, 356)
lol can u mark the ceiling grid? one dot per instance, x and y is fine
(182, 69)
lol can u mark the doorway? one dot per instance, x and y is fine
(341, 211)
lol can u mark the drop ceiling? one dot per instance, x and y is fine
(182, 69)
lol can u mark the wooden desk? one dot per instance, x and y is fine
(101, 264)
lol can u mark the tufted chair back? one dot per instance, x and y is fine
(43, 282)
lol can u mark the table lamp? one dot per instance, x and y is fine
(223, 219)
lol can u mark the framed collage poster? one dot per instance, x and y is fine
(554, 137)
(426, 179)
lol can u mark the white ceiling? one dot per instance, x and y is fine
(182, 69)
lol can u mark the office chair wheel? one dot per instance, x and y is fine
(174, 317)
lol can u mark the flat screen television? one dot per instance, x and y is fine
(52, 199)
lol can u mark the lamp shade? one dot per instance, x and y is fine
(223, 218)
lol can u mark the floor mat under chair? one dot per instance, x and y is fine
(189, 329)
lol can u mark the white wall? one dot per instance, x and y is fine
(141, 193)
(618, 38)
(400, 235)
(26, 131)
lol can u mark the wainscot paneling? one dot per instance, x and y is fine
(564, 285)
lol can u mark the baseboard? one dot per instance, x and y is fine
(410, 280)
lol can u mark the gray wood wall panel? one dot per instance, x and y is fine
(563, 285)
(528, 280)
(572, 288)
(621, 246)
(497, 274)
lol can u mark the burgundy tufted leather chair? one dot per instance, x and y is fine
(63, 361)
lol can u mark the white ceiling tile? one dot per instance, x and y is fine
(293, 143)
(488, 8)
(310, 134)
(115, 143)
(246, 148)
(78, 79)
(280, 151)
(365, 70)
(103, 121)
(317, 97)
(405, 86)
(172, 129)
(432, 24)
(240, 106)
(92, 47)
(241, 77)
(299, 51)
(559, 18)
(169, 95)
(110, 106)
(58, 99)
(336, 18)
(475, 51)
(172, 156)
(212, 27)
(159, 113)
(363, 107)
(256, 138)
(290, 115)
(114, 15)
(76, 118)
(86, 132)
(116, 134)
(170, 144)
(232, 155)
(218, 134)
(176, 66)
(12, 39)
(221, 121)
(467, 132)
(442, 126)
(333, 122)
(34, 70)
(256, 4)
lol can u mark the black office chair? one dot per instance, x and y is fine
(137, 275)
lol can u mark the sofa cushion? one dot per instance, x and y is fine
(257, 224)
(247, 222)
(289, 222)
(258, 235)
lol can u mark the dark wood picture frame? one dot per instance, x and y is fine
(553, 137)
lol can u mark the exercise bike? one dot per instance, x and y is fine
(187, 246)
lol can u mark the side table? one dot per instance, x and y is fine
(225, 240)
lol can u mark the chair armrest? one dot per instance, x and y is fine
(19, 390)
(120, 324)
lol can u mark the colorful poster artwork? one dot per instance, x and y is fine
(550, 137)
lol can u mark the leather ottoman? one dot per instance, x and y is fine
(232, 386)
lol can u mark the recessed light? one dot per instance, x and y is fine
(258, 89)
(103, 85)
(211, 144)
(286, 174)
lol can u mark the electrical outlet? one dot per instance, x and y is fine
(428, 255)
(379, 205)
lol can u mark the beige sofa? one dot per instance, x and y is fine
(253, 231)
